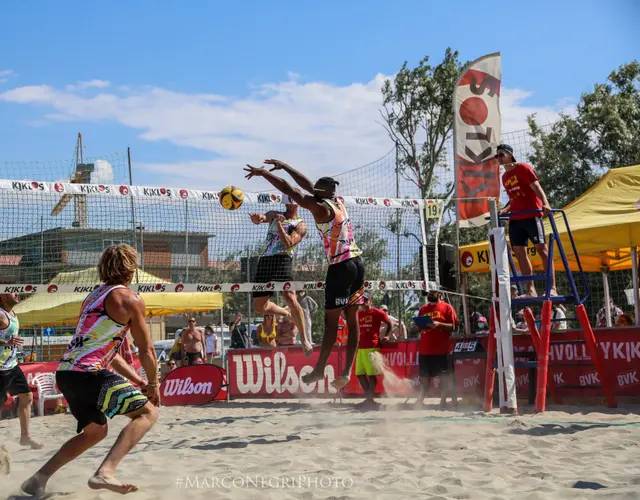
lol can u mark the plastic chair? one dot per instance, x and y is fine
(46, 385)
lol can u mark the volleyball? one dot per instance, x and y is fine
(231, 198)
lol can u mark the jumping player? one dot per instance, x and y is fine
(286, 230)
(12, 379)
(95, 393)
(344, 284)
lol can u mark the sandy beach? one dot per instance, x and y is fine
(322, 450)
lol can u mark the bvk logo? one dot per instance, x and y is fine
(286, 286)
(58, 187)
(184, 194)
(387, 202)
(27, 186)
(179, 288)
(52, 289)
(124, 190)
(235, 287)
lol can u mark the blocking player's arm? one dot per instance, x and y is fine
(506, 209)
(318, 209)
(300, 179)
(142, 338)
(124, 369)
(296, 235)
(263, 218)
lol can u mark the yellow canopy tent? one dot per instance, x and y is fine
(58, 309)
(604, 223)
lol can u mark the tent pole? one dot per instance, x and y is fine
(607, 298)
(634, 273)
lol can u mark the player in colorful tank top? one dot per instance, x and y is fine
(12, 378)
(344, 283)
(98, 337)
(93, 392)
(285, 232)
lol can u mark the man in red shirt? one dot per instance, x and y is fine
(434, 344)
(369, 321)
(525, 193)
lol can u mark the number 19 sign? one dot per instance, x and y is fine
(432, 209)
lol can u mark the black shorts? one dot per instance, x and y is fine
(432, 365)
(13, 382)
(273, 268)
(521, 230)
(94, 396)
(344, 285)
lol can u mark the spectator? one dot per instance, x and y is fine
(211, 341)
(286, 332)
(309, 306)
(624, 320)
(343, 330)
(239, 336)
(174, 353)
(601, 317)
(266, 332)
(434, 345)
(192, 345)
(558, 314)
(398, 330)
(172, 365)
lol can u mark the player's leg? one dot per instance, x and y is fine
(361, 373)
(424, 378)
(353, 277)
(266, 270)
(19, 387)
(142, 420)
(331, 317)
(297, 316)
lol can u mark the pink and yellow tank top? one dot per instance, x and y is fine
(98, 337)
(337, 235)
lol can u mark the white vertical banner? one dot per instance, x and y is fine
(501, 302)
(477, 126)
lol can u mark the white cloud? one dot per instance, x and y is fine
(89, 84)
(5, 74)
(102, 173)
(320, 127)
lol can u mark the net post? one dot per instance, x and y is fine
(501, 307)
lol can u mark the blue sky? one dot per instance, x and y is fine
(199, 90)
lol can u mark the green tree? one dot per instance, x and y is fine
(418, 116)
(603, 134)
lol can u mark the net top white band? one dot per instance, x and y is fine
(177, 194)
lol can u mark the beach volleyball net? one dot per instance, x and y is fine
(53, 233)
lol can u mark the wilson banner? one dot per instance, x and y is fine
(476, 135)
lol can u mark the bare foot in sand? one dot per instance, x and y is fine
(35, 485)
(312, 377)
(98, 482)
(340, 382)
(29, 441)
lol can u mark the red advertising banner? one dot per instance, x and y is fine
(476, 134)
(193, 385)
(276, 373)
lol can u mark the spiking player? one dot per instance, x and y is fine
(286, 231)
(344, 284)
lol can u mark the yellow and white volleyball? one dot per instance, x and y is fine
(231, 198)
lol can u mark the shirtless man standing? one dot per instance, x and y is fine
(192, 345)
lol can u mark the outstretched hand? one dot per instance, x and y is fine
(254, 172)
(277, 164)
